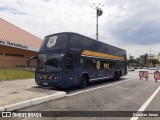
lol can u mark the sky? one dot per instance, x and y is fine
(133, 25)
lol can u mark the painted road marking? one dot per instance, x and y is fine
(144, 106)
(99, 87)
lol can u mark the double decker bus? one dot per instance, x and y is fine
(70, 59)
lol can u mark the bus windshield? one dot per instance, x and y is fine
(56, 41)
(49, 62)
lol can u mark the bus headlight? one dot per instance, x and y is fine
(37, 76)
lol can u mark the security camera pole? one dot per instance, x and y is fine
(99, 12)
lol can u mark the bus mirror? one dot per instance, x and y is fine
(30, 59)
(93, 61)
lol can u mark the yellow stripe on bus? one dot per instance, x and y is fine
(97, 54)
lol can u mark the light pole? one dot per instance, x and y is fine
(159, 59)
(150, 58)
(99, 12)
(150, 53)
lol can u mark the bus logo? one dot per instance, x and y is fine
(98, 65)
(52, 41)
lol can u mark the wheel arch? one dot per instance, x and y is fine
(120, 73)
(86, 75)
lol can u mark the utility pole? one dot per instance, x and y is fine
(159, 58)
(96, 24)
(150, 57)
(99, 12)
(150, 53)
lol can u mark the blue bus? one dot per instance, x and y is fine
(69, 59)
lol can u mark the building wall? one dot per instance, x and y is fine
(144, 59)
(152, 56)
(15, 57)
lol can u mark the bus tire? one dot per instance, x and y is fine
(116, 76)
(83, 82)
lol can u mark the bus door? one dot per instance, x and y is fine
(69, 73)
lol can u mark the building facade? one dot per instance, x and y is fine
(153, 56)
(143, 59)
(16, 45)
(131, 57)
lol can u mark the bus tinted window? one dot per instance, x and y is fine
(69, 62)
(76, 41)
(57, 41)
(88, 44)
(89, 64)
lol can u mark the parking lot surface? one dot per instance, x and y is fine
(128, 94)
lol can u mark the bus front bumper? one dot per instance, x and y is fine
(49, 83)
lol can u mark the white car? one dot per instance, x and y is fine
(157, 70)
(130, 69)
(152, 68)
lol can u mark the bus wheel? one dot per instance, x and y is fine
(116, 76)
(83, 82)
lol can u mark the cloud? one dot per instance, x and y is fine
(12, 10)
(125, 23)
(137, 49)
(136, 23)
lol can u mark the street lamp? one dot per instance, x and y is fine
(99, 12)
(150, 58)
(150, 53)
(159, 58)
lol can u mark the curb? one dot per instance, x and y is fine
(32, 102)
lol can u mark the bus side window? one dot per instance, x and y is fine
(69, 62)
(90, 64)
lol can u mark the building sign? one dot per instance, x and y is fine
(7, 43)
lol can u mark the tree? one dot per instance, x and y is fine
(153, 62)
(132, 62)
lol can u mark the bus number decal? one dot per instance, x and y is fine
(106, 65)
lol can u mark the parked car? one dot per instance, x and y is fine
(157, 70)
(130, 69)
(152, 68)
(135, 67)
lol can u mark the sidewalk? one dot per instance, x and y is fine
(18, 94)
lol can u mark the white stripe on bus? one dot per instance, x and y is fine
(99, 78)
